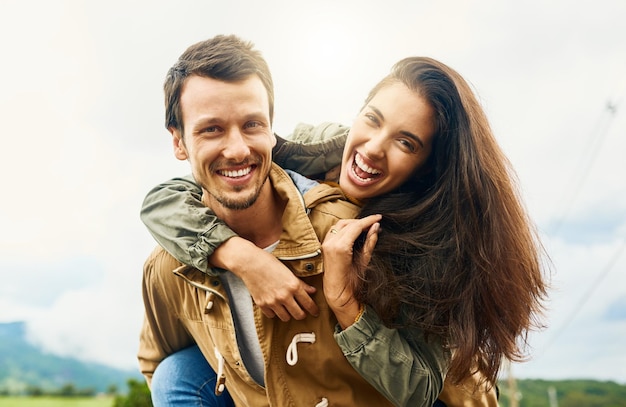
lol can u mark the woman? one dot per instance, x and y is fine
(455, 255)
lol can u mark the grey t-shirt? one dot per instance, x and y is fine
(245, 329)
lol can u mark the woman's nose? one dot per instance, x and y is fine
(375, 147)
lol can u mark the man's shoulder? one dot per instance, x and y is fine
(160, 259)
(330, 198)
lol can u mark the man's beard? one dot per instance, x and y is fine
(238, 204)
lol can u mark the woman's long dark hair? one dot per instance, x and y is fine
(457, 255)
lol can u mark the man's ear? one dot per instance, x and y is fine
(180, 150)
(274, 139)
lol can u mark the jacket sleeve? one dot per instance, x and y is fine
(407, 373)
(312, 150)
(189, 231)
(178, 220)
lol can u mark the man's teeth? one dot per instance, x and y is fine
(236, 174)
(364, 167)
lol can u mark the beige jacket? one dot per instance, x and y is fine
(184, 305)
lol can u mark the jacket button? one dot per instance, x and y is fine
(309, 267)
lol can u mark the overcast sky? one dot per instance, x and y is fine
(83, 141)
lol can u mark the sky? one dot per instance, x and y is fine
(83, 141)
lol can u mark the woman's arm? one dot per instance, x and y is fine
(313, 151)
(400, 364)
(407, 373)
(175, 216)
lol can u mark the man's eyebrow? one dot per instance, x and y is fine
(212, 120)
(207, 119)
(404, 132)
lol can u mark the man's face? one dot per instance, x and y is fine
(227, 139)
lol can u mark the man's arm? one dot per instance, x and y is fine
(190, 232)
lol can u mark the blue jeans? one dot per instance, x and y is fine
(185, 378)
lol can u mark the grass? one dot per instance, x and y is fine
(45, 401)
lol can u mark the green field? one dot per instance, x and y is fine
(56, 401)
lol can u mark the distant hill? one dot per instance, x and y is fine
(564, 393)
(22, 365)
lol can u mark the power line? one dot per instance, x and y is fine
(577, 182)
(588, 293)
(595, 144)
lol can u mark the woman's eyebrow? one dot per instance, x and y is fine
(414, 137)
(404, 132)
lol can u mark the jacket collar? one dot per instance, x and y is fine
(298, 240)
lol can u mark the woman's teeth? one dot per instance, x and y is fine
(364, 168)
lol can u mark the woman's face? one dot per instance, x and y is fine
(389, 141)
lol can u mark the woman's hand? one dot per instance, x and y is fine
(337, 250)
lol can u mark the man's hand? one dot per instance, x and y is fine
(273, 287)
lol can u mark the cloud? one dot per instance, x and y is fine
(41, 281)
(98, 324)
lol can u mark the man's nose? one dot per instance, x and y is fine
(236, 147)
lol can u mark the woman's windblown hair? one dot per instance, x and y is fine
(457, 255)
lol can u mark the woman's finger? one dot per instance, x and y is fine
(350, 229)
(370, 242)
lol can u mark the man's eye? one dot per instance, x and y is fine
(252, 124)
(372, 118)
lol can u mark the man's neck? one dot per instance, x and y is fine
(261, 223)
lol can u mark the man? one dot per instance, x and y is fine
(219, 104)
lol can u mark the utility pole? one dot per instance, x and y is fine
(552, 397)
(514, 396)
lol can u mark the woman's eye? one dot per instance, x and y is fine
(410, 146)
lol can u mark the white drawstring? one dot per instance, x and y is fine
(292, 359)
(220, 383)
(323, 403)
(209, 302)
(292, 350)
